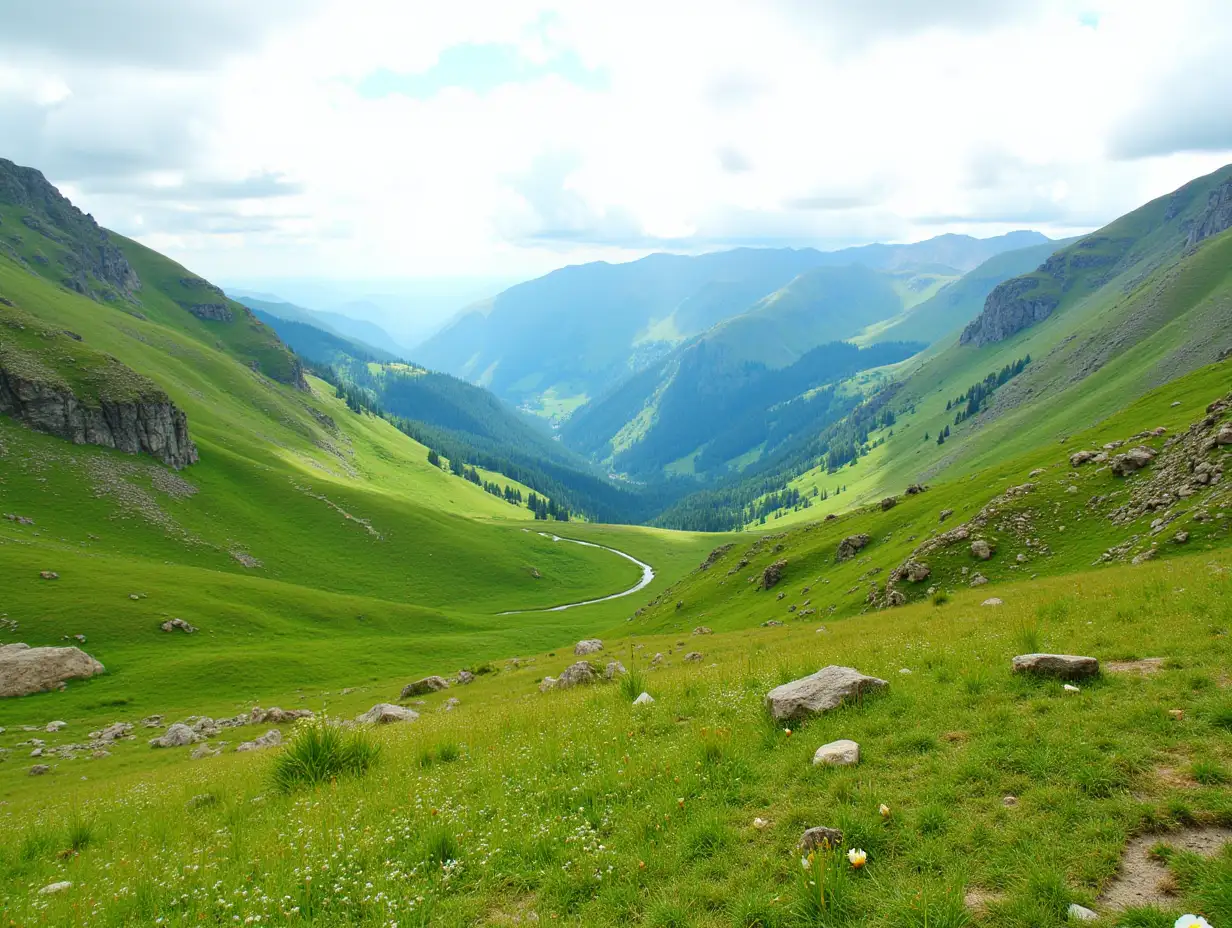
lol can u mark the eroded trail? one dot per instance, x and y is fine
(648, 575)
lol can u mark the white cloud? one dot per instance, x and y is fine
(260, 149)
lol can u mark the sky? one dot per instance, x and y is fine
(375, 139)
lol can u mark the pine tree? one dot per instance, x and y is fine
(433, 458)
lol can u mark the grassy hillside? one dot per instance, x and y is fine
(1006, 798)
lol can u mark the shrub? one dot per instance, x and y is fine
(322, 751)
(940, 598)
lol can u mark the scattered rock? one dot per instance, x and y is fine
(850, 546)
(177, 736)
(432, 684)
(1070, 688)
(53, 888)
(1064, 666)
(693, 656)
(945, 514)
(55, 726)
(1147, 555)
(384, 713)
(116, 731)
(579, 674)
(981, 549)
(915, 489)
(992, 601)
(772, 623)
(978, 580)
(702, 630)
(1081, 913)
(465, 677)
(888, 503)
(841, 753)
(1123, 465)
(49, 575)
(1009, 801)
(25, 670)
(270, 739)
(827, 689)
(714, 556)
(202, 751)
(772, 574)
(1177, 715)
(1078, 458)
(172, 624)
(38, 770)
(276, 716)
(820, 837)
(917, 571)
(450, 704)
(644, 700)
(760, 824)
(587, 646)
(613, 669)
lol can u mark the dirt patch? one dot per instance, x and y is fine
(978, 900)
(1146, 665)
(1143, 880)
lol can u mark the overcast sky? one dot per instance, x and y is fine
(375, 138)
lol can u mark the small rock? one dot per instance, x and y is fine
(644, 700)
(38, 770)
(52, 888)
(1181, 537)
(760, 824)
(1082, 913)
(1070, 688)
(1009, 801)
(820, 837)
(578, 674)
(176, 736)
(992, 601)
(432, 684)
(1176, 714)
(841, 753)
(905, 671)
(270, 739)
(1065, 666)
(49, 574)
(451, 703)
(888, 503)
(202, 751)
(702, 630)
(693, 656)
(55, 726)
(587, 646)
(849, 546)
(465, 677)
(981, 549)
(384, 713)
(945, 514)
(172, 624)
(978, 580)
(612, 669)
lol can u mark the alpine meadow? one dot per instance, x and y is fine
(690, 467)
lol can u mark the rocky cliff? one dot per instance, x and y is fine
(90, 251)
(1216, 217)
(151, 424)
(1011, 307)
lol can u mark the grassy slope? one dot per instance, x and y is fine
(447, 558)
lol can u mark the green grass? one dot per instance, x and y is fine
(321, 753)
(579, 809)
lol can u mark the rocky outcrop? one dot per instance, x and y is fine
(90, 249)
(587, 646)
(25, 670)
(1216, 217)
(772, 574)
(177, 736)
(849, 546)
(385, 713)
(827, 689)
(1013, 306)
(1064, 666)
(714, 556)
(210, 312)
(433, 684)
(152, 424)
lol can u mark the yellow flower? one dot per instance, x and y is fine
(884, 810)
(857, 857)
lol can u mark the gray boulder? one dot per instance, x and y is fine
(820, 837)
(1134, 459)
(578, 674)
(837, 754)
(25, 670)
(587, 646)
(270, 739)
(1062, 666)
(644, 700)
(850, 546)
(384, 713)
(827, 689)
(433, 684)
(981, 549)
(177, 736)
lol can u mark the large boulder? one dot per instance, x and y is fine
(1063, 666)
(177, 736)
(587, 646)
(981, 549)
(1134, 459)
(433, 684)
(849, 546)
(384, 713)
(1078, 458)
(773, 574)
(576, 675)
(25, 670)
(827, 689)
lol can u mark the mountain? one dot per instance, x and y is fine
(353, 327)
(1100, 322)
(575, 333)
(312, 342)
(960, 301)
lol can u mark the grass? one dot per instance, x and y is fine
(575, 805)
(320, 753)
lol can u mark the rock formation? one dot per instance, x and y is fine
(25, 670)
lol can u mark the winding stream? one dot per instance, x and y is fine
(648, 575)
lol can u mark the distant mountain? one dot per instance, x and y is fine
(317, 345)
(962, 300)
(578, 331)
(347, 326)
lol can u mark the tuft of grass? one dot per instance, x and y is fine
(1029, 638)
(320, 752)
(1209, 772)
(78, 832)
(940, 598)
(440, 846)
(632, 684)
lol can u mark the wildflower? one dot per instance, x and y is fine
(804, 863)
(787, 732)
(641, 865)
(857, 857)
(1192, 921)
(885, 811)
(760, 823)
(680, 803)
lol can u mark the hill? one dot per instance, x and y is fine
(1102, 321)
(571, 335)
(353, 327)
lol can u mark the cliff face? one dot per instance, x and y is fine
(1216, 217)
(152, 425)
(91, 251)
(1011, 307)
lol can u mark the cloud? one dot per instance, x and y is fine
(266, 185)
(479, 68)
(732, 160)
(163, 34)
